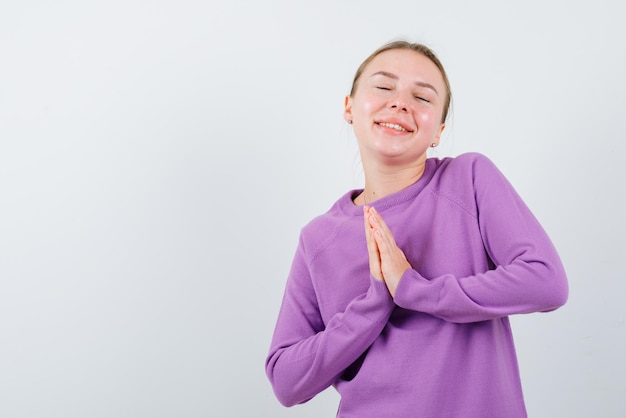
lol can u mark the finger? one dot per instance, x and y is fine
(371, 228)
(378, 220)
(384, 242)
(375, 264)
(383, 235)
(372, 248)
(366, 215)
(393, 262)
(367, 224)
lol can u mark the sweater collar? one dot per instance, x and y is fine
(347, 205)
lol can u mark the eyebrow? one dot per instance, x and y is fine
(395, 77)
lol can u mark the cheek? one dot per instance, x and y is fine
(368, 103)
(428, 119)
(425, 118)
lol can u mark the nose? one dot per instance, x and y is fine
(399, 103)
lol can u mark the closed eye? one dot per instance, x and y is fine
(423, 99)
(383, 88)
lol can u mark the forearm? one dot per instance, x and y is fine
(520, 287)
(303, 362)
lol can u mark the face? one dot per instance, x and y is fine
(397, 107)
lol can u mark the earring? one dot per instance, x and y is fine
(349, 121)
(433, 145)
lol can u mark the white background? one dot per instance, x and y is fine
(158, 159)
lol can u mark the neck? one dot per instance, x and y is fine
(382, 181)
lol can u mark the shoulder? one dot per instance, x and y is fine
(322, 229)
(465, 170)
(452, 169)
(462, 178)
(469, 161)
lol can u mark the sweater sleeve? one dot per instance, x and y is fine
(307, 356)
(527, 274)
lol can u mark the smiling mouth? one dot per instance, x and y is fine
(393, 126)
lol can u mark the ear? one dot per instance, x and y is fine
(438, 135)
(347, 109)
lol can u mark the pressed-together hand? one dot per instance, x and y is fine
(387, 261)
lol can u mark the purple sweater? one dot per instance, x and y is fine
(443, 346)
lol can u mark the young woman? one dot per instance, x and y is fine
(399, 295)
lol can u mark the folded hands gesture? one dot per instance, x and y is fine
(387, 261)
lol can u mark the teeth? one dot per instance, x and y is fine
(393, 126)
